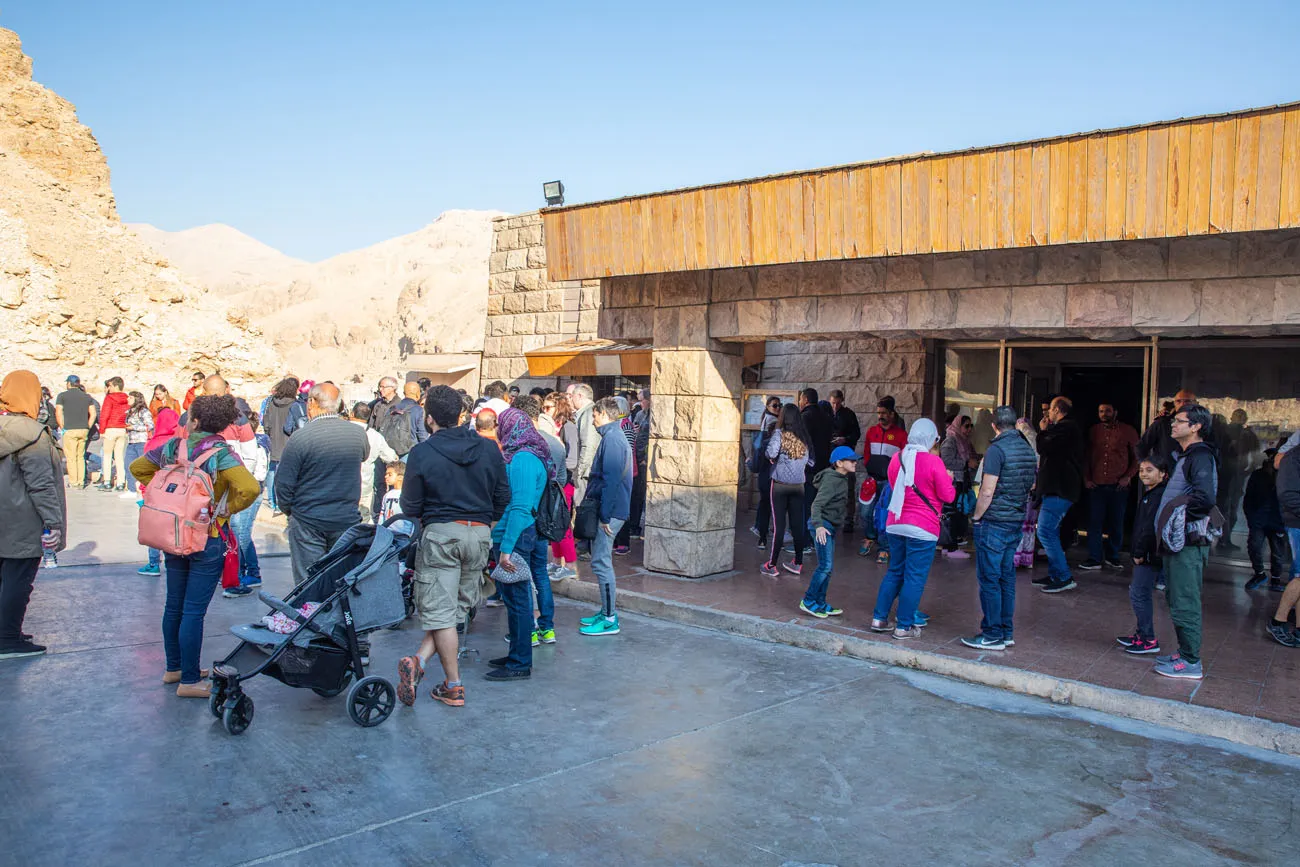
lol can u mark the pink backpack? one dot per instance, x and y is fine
(178, 510)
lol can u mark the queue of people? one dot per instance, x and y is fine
(910, 504)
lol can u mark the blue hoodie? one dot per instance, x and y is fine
(611, 474)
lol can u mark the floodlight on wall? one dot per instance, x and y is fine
(554, 193)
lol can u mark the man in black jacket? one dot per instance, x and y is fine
(456, 485)
(1196, 480)
(820, 431)
(1060, 484)
(1288, 497)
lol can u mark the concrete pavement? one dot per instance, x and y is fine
(662, 745)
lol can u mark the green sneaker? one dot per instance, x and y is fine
(587, 621)
(537, 638)
(831, 611)
(811, 610)
(547, 636)
(602, 626)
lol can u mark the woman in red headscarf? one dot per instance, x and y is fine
(32, 503)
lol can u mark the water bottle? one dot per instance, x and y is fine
(203, 515)
(48, 558)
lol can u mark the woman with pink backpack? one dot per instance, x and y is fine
(201, 483)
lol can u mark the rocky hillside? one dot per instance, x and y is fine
(79, 293)
(357, 314)
(219, 256)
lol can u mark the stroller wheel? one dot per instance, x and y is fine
(238, 717)
(371, 701)
(330, 693)
(217, 700)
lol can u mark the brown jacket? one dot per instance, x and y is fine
(156, 406)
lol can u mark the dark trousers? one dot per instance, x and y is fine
(1278, 549)
(308, 544)
(637, 509)
(763, 516)
(16, 578)
(518, 600)
(191, 581)
(787, 506)
(1140, 592)
(1106, 507)
(995, 569)
(1184, 572)
(809, 494)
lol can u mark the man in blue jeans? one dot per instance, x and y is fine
(1060, 483)
(611, 483)
(1009, 470)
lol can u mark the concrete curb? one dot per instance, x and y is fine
(1205, 721)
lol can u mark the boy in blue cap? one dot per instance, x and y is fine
(830, 508)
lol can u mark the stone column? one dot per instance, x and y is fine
(694, 458)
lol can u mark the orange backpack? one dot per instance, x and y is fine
(178, 506)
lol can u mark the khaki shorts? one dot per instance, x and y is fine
(449, 573)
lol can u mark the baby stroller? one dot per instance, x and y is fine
(357, 586)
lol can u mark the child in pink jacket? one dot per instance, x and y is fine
(920, 487)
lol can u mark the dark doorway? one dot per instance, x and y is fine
(1089, 388)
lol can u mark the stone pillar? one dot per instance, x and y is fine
(694, 459)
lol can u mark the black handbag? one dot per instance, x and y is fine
(587, 522)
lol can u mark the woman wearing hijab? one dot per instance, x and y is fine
(528, 470)
(32, 503)
(919, 488)
(192, 579)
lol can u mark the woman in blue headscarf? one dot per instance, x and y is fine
(528, 470)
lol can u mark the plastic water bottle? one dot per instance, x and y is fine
(203, 514)
(48, 559)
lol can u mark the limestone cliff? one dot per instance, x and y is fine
(79, 293)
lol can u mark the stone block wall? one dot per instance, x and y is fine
(866, 369)
(526, 310)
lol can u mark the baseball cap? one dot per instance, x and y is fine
(74, 380)
(843, 453)
(496, 404)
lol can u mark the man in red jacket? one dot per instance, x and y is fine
(196, 388)
(112, 434)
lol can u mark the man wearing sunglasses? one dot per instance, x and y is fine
(196, 388)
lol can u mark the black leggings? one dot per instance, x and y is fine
(787, 504)
(763, 514)
(16, 578)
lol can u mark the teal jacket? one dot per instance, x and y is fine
(527, 477)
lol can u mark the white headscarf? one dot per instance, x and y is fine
(921, 438)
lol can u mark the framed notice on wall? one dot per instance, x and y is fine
(756, 399)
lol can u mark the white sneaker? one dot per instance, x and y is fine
(565, 573)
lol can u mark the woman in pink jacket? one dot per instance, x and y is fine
(920, 486)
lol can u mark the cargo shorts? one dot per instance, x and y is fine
(449, 572)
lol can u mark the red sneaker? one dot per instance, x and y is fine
(449, 695)
(409, 675)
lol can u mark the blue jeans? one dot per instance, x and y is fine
(155, 559)
(995, 569)
(133, 451)
(241, 523)
(1050, 515)
(602, 563)
(1140, 591)
(909, 567)
(519, 624)
(191, 581)
(815, 596)
(540, 587)
(1293, 534)
(269, 485)
(1106, 506)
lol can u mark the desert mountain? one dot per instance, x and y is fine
(79, 293)
(219, 256)
(356, 314)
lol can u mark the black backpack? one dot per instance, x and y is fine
(396, 431)
(553, 514)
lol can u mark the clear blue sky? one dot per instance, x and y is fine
(319, 127)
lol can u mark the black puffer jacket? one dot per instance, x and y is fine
(1288, 488)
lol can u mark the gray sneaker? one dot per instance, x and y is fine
(1282, 635)
(1181, 668)
(981, 642)
(904, 633)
